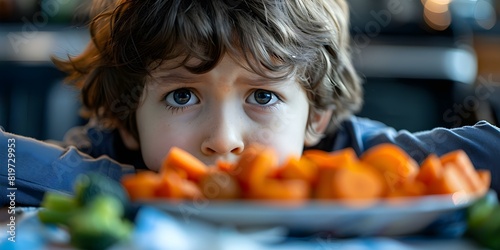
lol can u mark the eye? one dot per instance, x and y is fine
(263, 97)
(181, 97)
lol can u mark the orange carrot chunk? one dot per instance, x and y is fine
(430, 170)
(190, 190)
(254, 165)
(218, 184)
(142, 185)
(394, 163)
(276, 189)
(224, 166)
(408, 189)
(342, 158)
(180, 159)
(357, 182)
(450, 182)
(485, 176)
(170, 185)
(334, 159)
(323, 189)
(321, 158)
(298, 168)
(461, 161)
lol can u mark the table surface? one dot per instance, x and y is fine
(266, 239)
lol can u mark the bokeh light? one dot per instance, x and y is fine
(437, 13)
(485, 15)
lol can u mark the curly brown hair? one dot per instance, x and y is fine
(309, 39)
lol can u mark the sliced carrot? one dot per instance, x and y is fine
(298, 168)
(409, 188)
(180, 159)
(390, 160)
(170, 185)
(333, 159)
(485, 176)
(224, 166)
(323, 188)
(430, 170)
(142, 185)
(254, 165)
(450, 182)
(357, 182)
(190, 190)
(319, 157)
(340, 159)
(219, 184)
(382, 171)
(180, 172)
(276, 189)
(461, 161)
(343, 157)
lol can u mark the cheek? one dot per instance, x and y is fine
(292, 142)
(285, 134)
(157, 138)
(154, 148)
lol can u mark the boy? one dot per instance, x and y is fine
(213, 77)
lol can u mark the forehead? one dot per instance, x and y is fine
(183, 68)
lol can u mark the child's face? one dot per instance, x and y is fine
(219, 114)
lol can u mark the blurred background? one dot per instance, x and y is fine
(424, 63)
(428, 63)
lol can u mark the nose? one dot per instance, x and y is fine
(224, 136)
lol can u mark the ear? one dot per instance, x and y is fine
(128, 139)
(317, 126)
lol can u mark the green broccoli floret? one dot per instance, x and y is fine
(57, 208)
(484, 222)
(100, 224)
(94, 216)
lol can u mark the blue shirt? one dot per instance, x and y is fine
(41, 166)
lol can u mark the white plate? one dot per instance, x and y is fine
(386, 217)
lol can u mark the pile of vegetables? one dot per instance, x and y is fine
(381, 172)
(94, 216)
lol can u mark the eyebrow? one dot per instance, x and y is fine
(176, 77)
(183, 78)
(257, 80)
